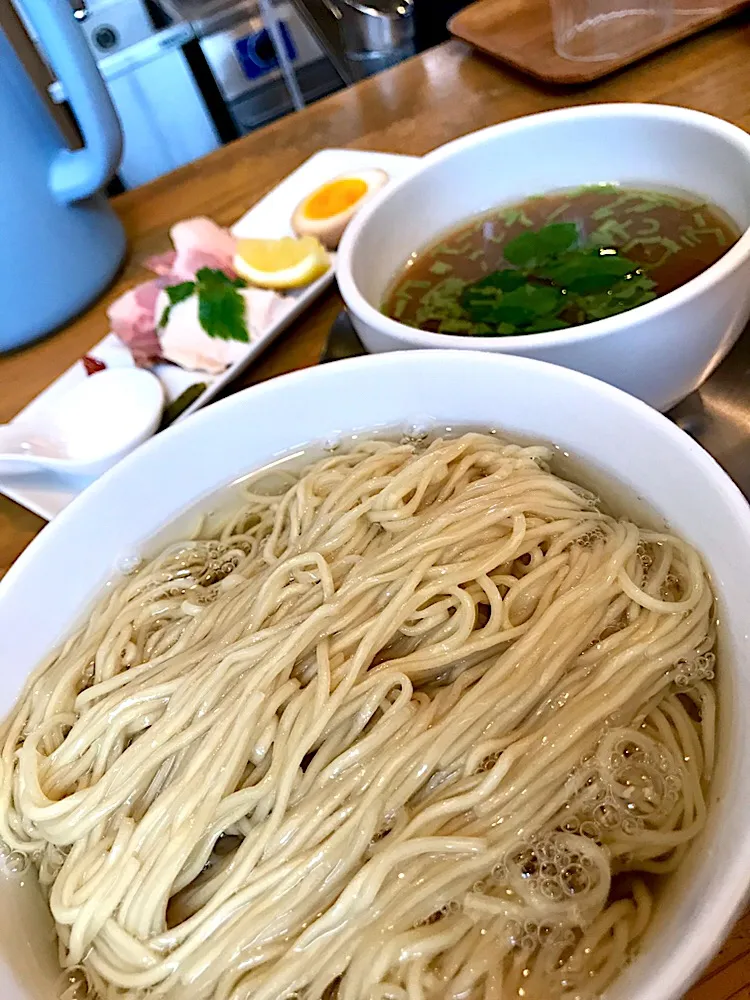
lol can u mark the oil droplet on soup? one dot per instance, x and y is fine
(559, 260)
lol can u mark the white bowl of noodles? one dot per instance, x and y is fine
(353, 684)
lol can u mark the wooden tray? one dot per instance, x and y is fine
(519, 32)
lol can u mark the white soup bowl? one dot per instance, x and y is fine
(660, 351)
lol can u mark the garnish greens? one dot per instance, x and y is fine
(221, 308)
(554, 272)
(173, 410)
(552, 281)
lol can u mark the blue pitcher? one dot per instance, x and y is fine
(60, 242)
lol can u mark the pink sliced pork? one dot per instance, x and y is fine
(131, 318)
(135, 316)
(185, 343)
(201, 243)
(161, 263)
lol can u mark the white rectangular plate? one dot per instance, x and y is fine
(46, 493)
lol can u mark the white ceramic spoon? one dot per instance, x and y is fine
(94, 425)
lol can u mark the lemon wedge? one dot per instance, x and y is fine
(284, 263)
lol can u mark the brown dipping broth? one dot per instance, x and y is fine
(673, 237)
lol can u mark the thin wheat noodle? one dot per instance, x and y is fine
(416, 721)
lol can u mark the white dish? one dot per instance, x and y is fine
(40, 598)
(46, 494)
(659, 352)
(95, 425)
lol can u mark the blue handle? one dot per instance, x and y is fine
(78, 174)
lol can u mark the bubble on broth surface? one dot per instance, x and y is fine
(74, 985)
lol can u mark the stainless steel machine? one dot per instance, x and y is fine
(361, 37)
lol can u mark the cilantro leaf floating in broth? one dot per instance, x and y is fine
(532, 248)
(512, 300)
(637, 290)
(504, 281)
(554, 284)
(586, 271)
(560, 260)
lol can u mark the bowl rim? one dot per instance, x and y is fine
(729, 262)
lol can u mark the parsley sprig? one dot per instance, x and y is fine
(553, 282)
(221, 308)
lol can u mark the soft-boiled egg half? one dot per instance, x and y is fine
(328, 211)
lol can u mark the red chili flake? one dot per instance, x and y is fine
(92, 365)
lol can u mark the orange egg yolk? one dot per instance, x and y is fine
(334, 198)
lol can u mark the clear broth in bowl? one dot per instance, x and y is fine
(559, 260)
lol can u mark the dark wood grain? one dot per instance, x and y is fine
(519, 32)
(411, 109)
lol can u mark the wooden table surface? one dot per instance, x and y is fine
(429, 100)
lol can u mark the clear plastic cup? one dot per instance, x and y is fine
(595, 30)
